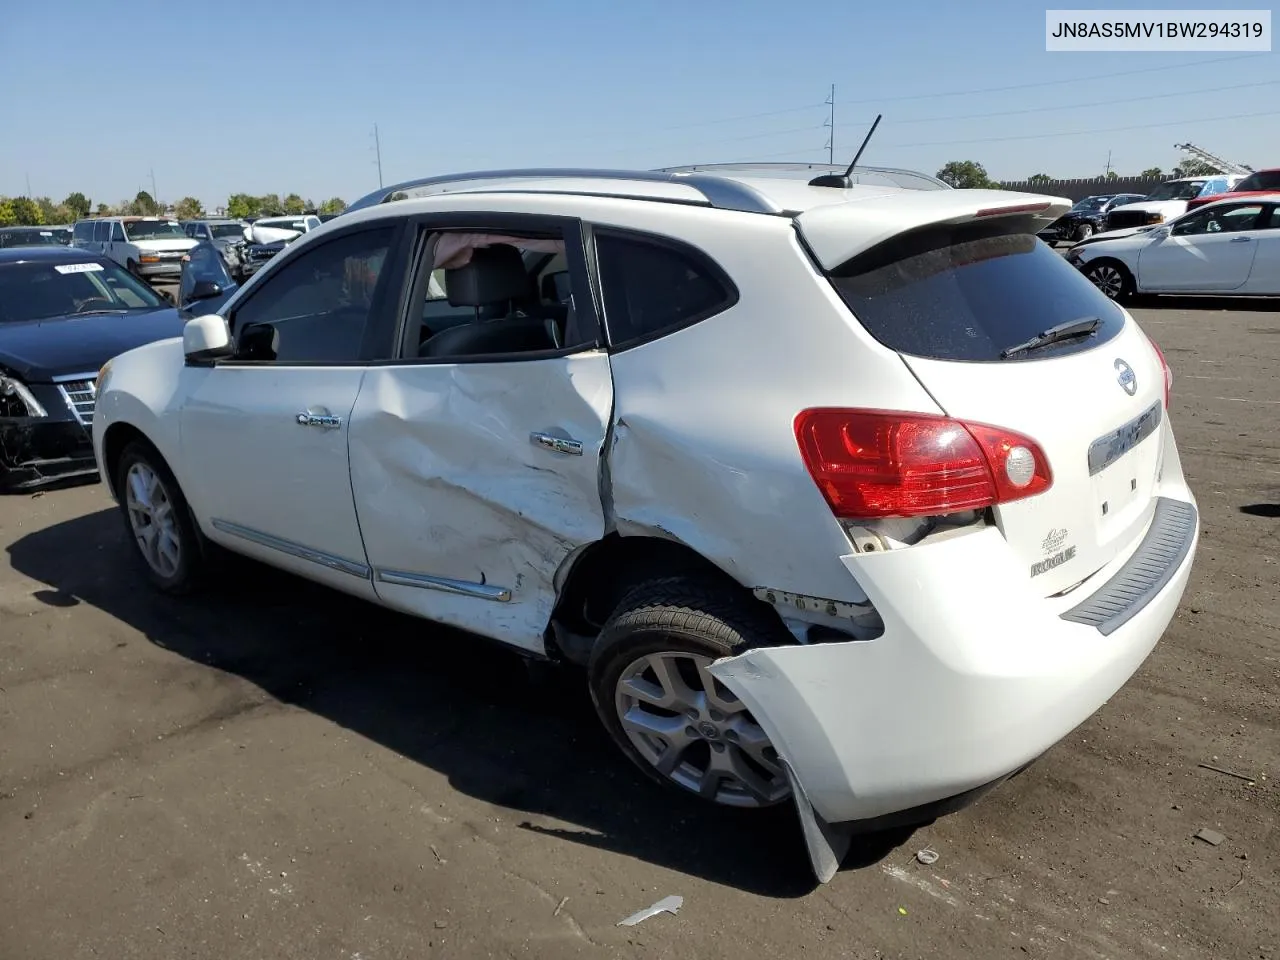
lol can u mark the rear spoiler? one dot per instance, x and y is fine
(838, 232)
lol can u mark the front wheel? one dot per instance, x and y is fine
(1084, 232)
(158, 520)
(1112, 278)
(653, 690)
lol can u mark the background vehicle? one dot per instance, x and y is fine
(63, 313)
(206, 282)
(424, 405)
(231, 237)
(1264, 181)
(1087, 217)
(270, 235)
(1168, 200)
(1229, 247)
(148, 247)
(34, 236)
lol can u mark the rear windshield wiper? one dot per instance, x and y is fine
(1063, 331)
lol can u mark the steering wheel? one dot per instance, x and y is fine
(81, 304)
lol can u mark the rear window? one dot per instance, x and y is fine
(1265, 180)
(970, 292)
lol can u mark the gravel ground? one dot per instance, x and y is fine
(276, 771)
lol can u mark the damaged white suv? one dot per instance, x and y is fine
(852, 495)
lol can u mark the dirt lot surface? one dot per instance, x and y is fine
(274, 771)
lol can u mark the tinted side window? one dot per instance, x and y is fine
(651, 286)
(316, 307)
(117, 233)
(970, 292)
(101, 230)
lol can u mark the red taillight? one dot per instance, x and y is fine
(875, 463)
(1168, 373)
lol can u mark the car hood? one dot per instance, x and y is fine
(40, 350)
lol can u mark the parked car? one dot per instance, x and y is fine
(31, 236)
(1087, 217)
(231, 237)
(1264, 181)
(1231, 247)
(148, 247)
(270, 235)
(1168, 200)
(566, 411)
(206, 282)
(63, 313)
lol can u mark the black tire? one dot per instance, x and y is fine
(1083, 232)
(1111, 277)
(690, 616)
(191, 546)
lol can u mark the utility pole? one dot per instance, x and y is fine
(377, 147)
(831, 123)
(28, 186)
(1108, 163)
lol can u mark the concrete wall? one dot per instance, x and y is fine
(1079, 189)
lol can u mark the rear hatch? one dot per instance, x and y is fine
(966, 302)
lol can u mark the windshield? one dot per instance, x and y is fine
(1091, 203)
(222, 231)
(153, 230)
(1177, 190)
(29, 237)
(1266, 180)
(39, 290)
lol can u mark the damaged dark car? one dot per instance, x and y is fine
(63, 314)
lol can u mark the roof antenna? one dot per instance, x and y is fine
(842, 181)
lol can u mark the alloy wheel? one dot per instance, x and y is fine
(152, 519)
(1108, 279)
(696, 733)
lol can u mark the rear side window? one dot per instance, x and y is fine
(653, 286)
(970, 292)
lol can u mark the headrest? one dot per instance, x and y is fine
(555, 287)
(495, 274)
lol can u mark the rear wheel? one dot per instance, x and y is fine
(1112, 278)
(158, 520)
(654, 692)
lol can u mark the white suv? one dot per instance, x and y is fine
(855, 495)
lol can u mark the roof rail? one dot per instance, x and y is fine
(717, 191)
(895, 174)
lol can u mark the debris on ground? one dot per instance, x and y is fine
(665, 905)
(927, 857)
(1212, 837)
(560, 906)
(1229, 773)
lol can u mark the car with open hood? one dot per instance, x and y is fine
(63, 314)
(1087, 217)
(846, 492)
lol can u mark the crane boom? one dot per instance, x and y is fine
(1224, 166)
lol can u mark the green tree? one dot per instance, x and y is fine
(333, 205)
(188, 208)
(144, 205)
(270, 205)
(241, 205)
(1111, 175)
(104, 210)
(26, 212)
(1152, 172)
(293, 204)
(965, 175)
(7, 215)
(1195, 168)
(78, 204)
(1039, 178)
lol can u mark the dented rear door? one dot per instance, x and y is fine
(475, 481)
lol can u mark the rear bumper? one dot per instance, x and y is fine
(973, 678)
(36, 451)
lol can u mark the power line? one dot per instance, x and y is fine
(1089, 132)
(1053, 83)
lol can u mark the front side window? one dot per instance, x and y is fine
(652, 287)
(117, 233)
(315, 308)
(42, 291)
(154, 230)
(1218, 220)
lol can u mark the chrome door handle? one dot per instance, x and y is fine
(556, 444)
(324, 420)
(1241, 239)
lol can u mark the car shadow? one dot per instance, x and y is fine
(526, 740)
(1269, 510)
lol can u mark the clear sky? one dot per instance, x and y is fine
(279, 96)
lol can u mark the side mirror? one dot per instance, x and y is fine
(206, 338)
(204, 289)
(1159, 233)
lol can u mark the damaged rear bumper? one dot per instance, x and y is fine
(973, 678)
(35, 451)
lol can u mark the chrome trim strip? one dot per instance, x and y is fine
(91, 375)
(463, 588)
(1158, 557)
(720, 192)
(340, 564)
(1109, 448)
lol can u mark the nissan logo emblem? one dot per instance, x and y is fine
(1126, 378)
